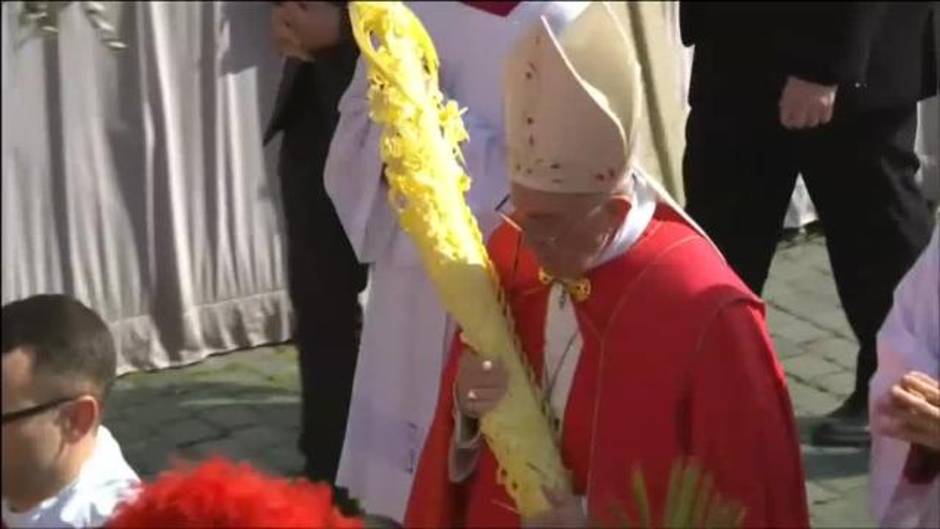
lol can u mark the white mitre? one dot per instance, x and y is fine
(573, 104)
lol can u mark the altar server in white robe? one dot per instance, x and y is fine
(406, 332)
(905, 401)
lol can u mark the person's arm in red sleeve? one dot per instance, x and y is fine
(742, 424)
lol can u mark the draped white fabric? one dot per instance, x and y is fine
(137, 182)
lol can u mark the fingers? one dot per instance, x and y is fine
(914, 404)
(789, 117)
(479, 402)
(814, 117)
(826, 116)
(480, 384)
(287, 22)
(915, 420)
(485, 373)
(921, 434)
(285, 39)
(805, 105)
(796, 117)
(886, 419)
(923, 385)
(556, 497)
(295, 9)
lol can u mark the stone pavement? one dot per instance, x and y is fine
(245, 404)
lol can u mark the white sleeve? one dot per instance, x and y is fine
(353, 174)
(353, 178)
(909, 340)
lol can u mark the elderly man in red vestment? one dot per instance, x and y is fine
(646, 345)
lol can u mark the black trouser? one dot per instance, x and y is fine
(325, 280)
(740, 169)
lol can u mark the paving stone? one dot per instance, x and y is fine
(233, 448)
(127, 431)
(787, 348)
(779, 319)
(150, 456)
(836, 322)
(850, 510)
(808, 367)
(840, 384)
(156, 413)
(258, 437)
(817, 257)
(285, 417)
(190, 431)
(281, 459)
(269, 395)
(780, 270)
(233, 375)
(230, 417)
(809, 400)
(817, 494)
(816, 282)
(277, 368)
(794, 302)
(837, 469)
(803, 332)
(836, 349)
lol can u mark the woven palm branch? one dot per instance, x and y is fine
(421, 134)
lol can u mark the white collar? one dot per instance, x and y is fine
(643, 202)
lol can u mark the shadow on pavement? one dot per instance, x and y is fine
(157, 423)
(828, 463)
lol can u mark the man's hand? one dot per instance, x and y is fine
(480, 384)
(805, 105)
(566, 510)
(911, 411)
(301, 29)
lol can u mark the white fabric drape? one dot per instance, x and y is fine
(136, 181)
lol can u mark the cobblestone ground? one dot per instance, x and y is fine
(245, 404)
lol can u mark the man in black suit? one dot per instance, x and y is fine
(325, 278)
(829, 90)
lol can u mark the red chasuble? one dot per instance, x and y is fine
(676, 362)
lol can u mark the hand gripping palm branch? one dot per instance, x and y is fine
(420, 141)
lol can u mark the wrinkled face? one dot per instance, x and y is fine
(33, 446)
(567, 232)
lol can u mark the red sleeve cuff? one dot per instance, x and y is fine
(922, 466)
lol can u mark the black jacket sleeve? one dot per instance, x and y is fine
(832, 44)
(824, 42)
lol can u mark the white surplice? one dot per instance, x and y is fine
(406, 332)
(909, 340)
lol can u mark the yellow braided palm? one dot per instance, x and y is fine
(420, 141)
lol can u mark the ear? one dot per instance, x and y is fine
(81, 417)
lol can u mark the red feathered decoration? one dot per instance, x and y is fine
(222, 494)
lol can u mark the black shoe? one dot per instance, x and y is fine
(846, 426)
(346, 505)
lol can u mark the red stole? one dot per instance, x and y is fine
(628, 401)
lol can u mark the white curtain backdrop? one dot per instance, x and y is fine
(136, 181)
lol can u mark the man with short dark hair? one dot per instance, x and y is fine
(61, 467)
